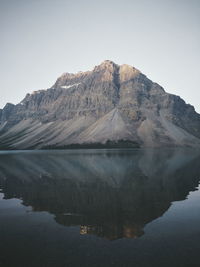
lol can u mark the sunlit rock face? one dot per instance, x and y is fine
(111, 102)
(109, 193)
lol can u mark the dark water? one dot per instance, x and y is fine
(100, 208)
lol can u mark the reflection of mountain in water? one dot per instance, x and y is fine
(111, 194)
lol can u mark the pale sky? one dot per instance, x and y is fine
(41, 39)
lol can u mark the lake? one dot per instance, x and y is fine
(100, 207)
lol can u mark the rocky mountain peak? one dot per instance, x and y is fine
(107, 63)
(128, 72)
(111, 103)
(106, 66)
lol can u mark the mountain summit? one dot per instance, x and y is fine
(112, 104)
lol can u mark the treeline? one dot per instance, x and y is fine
(108, 144)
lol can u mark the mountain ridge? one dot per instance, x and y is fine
(111, 102)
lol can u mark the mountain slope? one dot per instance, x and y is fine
(111, 102)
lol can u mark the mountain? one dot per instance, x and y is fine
(112, 105)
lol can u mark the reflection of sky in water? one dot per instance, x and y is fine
(180, 222)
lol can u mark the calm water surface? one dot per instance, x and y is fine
(100, 208)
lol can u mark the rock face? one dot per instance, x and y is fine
(111, 102)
